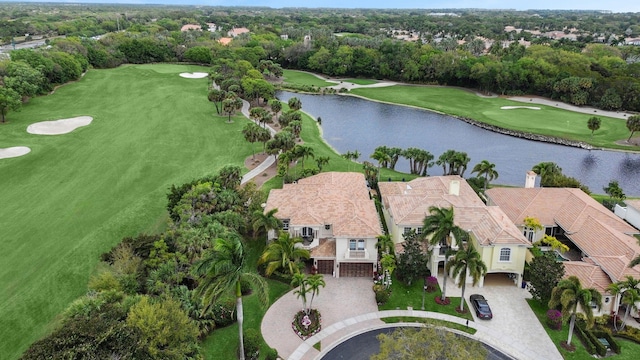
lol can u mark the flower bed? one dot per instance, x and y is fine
(313, 327)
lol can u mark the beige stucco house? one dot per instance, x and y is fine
(500, 243)
(602, 244)
(337, 219)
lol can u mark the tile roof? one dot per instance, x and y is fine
(337, 198)
(225, 40)
(409, 202)
(326, 249)
(188, 27)
(600, 234)
(591, 276)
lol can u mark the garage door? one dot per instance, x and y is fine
(356, 269)
(325, 267)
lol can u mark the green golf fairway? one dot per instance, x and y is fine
(76, 195)
(304, 78)
(547, 121)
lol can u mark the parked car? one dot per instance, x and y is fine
(483, 311)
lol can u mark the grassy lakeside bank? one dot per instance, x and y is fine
(548, 120)
(303, 78)
(76, 195)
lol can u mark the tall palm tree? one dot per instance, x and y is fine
(315, 282)
(546, 170)
(593, 124)
(222, 271)
(487, 169)
(283, 253)
(302, 152)
(300, 280)
(628, 289)
(295, 103)
(251, 133)
(439, 226)
(265, 221)
(467, 261)
(569, 293)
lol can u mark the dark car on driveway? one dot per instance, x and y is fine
(479, 303)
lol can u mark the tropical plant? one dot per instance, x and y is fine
(314, 282)
(593, 124)
(466, 262)
(299, 280)
(251, 133)
(569, 293)
(413, 262)
(487, 169)
(9, 100)
(216, 96)
(628, 289)
(385, 244)
(547, 171)
(321, 161)
(265, 221)
(295, 103)
(283, 254)
(633, 124)
(222, 271)
(614, 191)
(437, 228)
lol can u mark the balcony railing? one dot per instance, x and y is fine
(356, 254)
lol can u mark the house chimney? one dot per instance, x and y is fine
(454, 187)
(530, 181)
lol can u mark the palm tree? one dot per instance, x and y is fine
(283, 253)
(266, 221)
(629, 284)
(315, 282)
(300, 280)
(381, 155)
(251, 133)
(276, 106)
(546, 170)
(635, 262)
(467, 261)
(633, 124)
(216, 96)
(322, 161)
(487, 169)
(593, 124)
(385, 244)
(295, 103)
(569, 293)
(615, 289)
(222, 271)
(302, 152)
(439, 225)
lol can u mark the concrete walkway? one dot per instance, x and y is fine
(268, 161)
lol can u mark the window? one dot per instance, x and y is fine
(505, 254)
(285, 224)
(593, 304)
(356, 244)
(407, 230)
(419, 231)
(528, 233)
(327, 227)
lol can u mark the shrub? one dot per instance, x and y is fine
(580, 333)
(630, 333)
(251, 344)
(306, 332)
(432, 283)
(382, 294)
(271, 354)
(614, 345)
(224, 313)
(554, 319)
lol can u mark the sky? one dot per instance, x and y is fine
(613, 5)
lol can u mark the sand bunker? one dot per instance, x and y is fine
(195, 75)
(14, 152)
(520, 107)
(58, 127)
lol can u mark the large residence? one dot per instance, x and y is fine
(500, 243)
(601, 244)
(335, 216)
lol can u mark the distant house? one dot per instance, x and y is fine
(237, 31)
(191, 27)
(335, 216)
(225, 40)
(600, 242)
(500, 243)
(212, 27)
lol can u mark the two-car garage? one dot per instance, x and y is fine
(345, 269)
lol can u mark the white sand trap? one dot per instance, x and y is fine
(195, 75)
(520, 107)
(14, 152)
(59, 127)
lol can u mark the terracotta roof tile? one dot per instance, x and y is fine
(591, 276)
(326, 249)
(409, 202)
(339, 199)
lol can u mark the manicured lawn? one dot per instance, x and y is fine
(304, 78)
(547, 121)
(630, 350)
(223, 343)
(76, 195)
(403, 296)
(361, 81)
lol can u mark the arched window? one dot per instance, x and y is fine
(505, 254)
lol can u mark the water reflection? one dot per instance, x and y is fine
(350, 123)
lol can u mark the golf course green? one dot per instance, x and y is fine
(76, 195)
